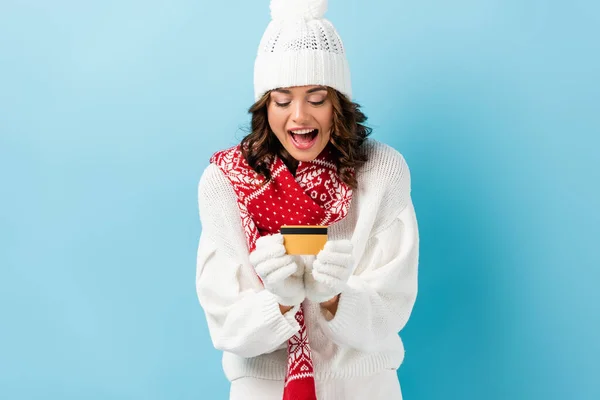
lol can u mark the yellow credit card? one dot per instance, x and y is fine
(304, 239)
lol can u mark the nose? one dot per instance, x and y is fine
(299, 113)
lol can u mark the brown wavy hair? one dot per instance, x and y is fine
(348, 133)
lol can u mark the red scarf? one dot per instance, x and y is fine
(315, 196)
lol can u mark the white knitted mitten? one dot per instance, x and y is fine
(330, 271)
(278, 271)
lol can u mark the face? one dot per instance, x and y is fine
(301, 117)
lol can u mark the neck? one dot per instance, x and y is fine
(290, 162)
(292, 165)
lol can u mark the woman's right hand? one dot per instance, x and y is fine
(278, 271)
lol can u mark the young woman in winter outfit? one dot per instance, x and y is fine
(307, 327)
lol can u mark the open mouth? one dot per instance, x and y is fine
(304, 138)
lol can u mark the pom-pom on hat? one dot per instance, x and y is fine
(300, 47)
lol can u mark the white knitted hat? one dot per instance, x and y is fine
(300, 48)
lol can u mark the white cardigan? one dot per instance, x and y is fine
(362, 339)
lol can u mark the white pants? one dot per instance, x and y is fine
(383, 386)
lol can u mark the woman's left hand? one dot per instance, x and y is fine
(330, 271)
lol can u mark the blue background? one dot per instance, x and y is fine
(109, 111)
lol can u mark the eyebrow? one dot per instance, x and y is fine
(286, 91)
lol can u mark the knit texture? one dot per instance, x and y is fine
(315, 195)
(328, 275)
(244, 320)
(300, 47)
(278, 271)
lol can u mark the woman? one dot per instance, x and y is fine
(307, 327)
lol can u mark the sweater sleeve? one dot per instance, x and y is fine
(242, 317)
(381, 293)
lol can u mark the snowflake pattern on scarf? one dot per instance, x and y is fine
(316, 195)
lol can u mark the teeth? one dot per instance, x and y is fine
(302, 131)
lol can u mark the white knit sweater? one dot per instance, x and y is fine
(362, 339)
